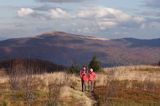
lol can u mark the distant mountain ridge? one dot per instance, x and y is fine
(64, 48)
(142, 42)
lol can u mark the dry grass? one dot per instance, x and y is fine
(69, 85)
(135, 68)
(69, 91)
(3, 73)
(140, 73)
(72, 97)
(117, 93)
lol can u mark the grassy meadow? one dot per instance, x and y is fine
(118, 86)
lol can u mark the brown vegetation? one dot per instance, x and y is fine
(122, 94)
(60, 88)
(37, 65)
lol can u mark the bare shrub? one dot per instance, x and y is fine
(53, 94)
(14, 78)
(27, 82)
(21, 78)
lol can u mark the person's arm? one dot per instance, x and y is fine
(80, 74)
(94, 75)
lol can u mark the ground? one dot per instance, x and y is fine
(118, 86)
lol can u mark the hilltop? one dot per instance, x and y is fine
(65, 49)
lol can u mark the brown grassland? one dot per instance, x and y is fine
(118, 86)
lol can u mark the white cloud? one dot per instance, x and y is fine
(109, 17)
(90, 18)
(25, 12)
(138, 19)
(106, 24)
(102, 12)
(58, 13)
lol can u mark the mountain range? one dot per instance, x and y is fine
(66, 49)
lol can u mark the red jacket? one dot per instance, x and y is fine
(83, 75)
(92, 76)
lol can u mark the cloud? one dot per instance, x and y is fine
(109, 14)
(152, 3)
(91, 18)
(25, 12)
(109, 17)
(150, 13)
(58, 13)
(104, 17)
(102, 12)
(60, 1)
(152, 23)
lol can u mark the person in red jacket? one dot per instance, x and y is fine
(92, 78)
(84, 78)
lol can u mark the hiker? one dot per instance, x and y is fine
(84, 78)
(92, 78)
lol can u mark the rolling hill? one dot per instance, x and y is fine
(65, 49)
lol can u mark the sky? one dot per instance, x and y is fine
(101, 18)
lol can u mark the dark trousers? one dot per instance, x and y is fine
(84, 85)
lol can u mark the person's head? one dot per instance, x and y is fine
(91, 69)
(84, 67)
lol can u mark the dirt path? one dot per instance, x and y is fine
(93, 97)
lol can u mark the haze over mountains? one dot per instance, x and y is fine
(65, 49)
